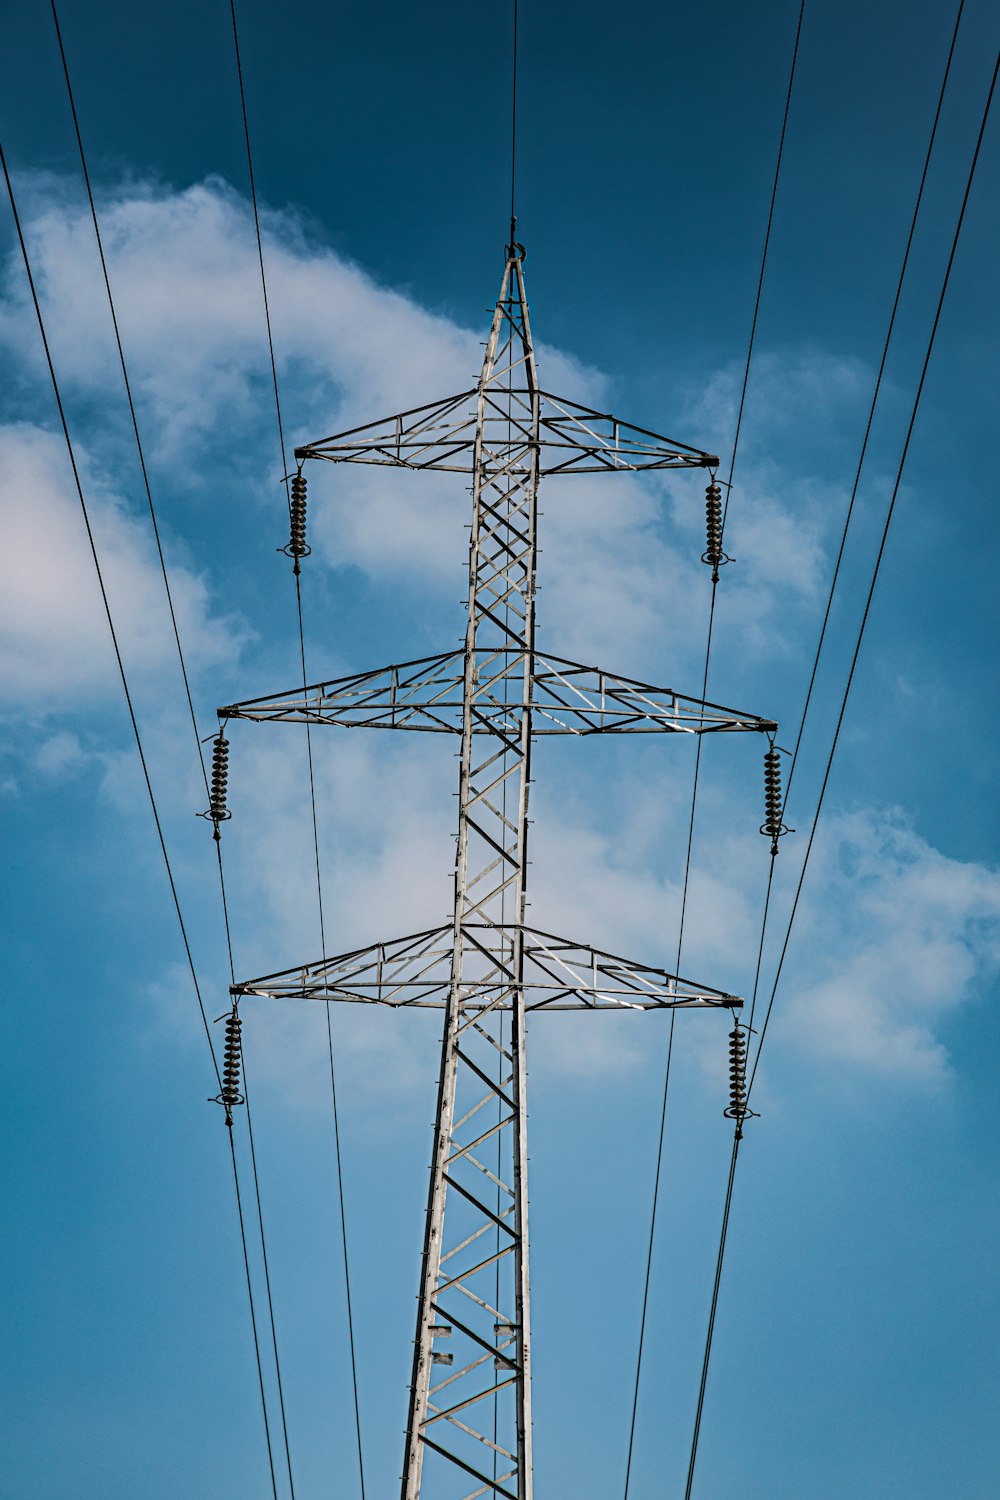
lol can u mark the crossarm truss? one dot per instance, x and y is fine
(426, 696)
(571, 439)
(416, 970)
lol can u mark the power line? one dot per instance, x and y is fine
(128, 394)
(513, 126)
(107, 610)
(874, 400)
(720, 1257)
(763, 261)
(267, 1280)
(312, 781)
(260, 244)
(833, 749)
(253, 1315)
(878, 561)
(184, 675)
(697, 760)
(142, 760)
(333, 1074)
(860, 465)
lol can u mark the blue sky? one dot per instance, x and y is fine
(855, 1350)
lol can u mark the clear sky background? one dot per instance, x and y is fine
(855, 1353)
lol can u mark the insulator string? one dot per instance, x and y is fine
(713, 554)
(772, 826)
(218, 810)
(297, 521)
(232, 1058)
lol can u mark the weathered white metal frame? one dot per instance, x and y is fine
(487, 969)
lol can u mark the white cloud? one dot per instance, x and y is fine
(900, 939)
(184, 269)
(186, 281)
(59, 754)
(54, 641)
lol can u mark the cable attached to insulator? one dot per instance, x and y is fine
(217, 811)
(297, 521)
(232, 1061)
(772, 826)
(738, 1110)
(713, 554)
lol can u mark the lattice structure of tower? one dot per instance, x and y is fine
(469, 1430)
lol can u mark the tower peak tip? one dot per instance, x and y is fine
(514, 250)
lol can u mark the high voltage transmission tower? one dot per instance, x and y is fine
(469, 1422)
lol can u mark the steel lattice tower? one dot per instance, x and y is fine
(469, 1421)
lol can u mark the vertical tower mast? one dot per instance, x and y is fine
(482, 1064)
(469, 1422)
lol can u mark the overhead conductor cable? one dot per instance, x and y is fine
(840, 719)
(142, 756)
(715, 556)
(295, 492)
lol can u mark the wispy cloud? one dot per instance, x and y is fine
(54, 642)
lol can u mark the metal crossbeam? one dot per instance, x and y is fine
(469, 1416)
(568, 438)
(426, 696)
(557, 974)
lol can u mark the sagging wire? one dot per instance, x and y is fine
(716, 518)
(840, 719)
(857, 473)
(295, 494)
(763, 262)
(875, 395)
(861, 460)
(217, 811)
(878, 560)
(834, 580)
(715, 557)
(146, 775)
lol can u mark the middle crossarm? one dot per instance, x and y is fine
(568, 698)
(559, 974)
